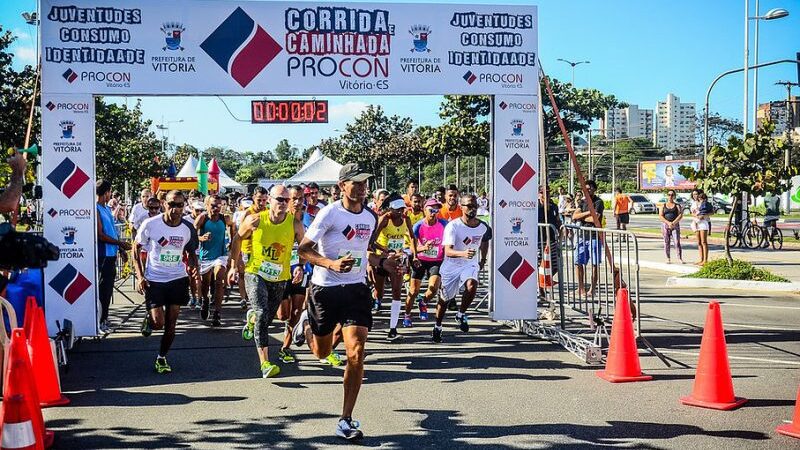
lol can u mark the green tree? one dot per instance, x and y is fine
(466, 127)
(182, 153)
(251, 173)
(16, 93)
(754, 166)
(719, 128)
(125, 149)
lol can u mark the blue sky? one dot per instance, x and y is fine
(639, 51)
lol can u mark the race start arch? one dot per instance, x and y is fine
(198, 47)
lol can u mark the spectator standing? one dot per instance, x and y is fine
(671, 214)
(588, 247)
(772, 206)
(483, 206)
(622, 209)
(108, 245)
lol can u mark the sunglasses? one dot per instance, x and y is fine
(261, 200)
(470, 205)
(434, 210)
(176, 204)
(216, 205)
(281, 199)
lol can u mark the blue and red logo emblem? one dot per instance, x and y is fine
(241, 47)
(172, 35)
(469, 77)
(516, 270)
(68, 177)
(70, 284)
(517, 172)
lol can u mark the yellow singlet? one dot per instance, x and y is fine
(393, 237)
(272, 249)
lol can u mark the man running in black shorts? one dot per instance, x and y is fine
(167, 238)
(338, 243)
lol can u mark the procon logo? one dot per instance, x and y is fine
(349, 232)
(70, 284)
(70, 75)
(50, 105)
(469, 77)
(503, 105)
(516, 270)
(517, 172)
(241, 56)
(68, 177)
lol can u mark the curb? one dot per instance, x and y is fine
(733, 284)
(684, 269)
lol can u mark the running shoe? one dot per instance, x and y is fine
(437, 334)
(299, 331)
(423, 308)
(376, 305)
(249, 325)
(334, 359)
(269, 370)
(145, 329)
(162, 366)
(243, 304)
(204, 309)
(286, 356)
(104, 328)
(392, 336)
(407, 321)
(348, 429)
(215, 321)
(463, 322)
(193, 303)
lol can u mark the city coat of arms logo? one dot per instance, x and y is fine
(172, 35)
(420, 34)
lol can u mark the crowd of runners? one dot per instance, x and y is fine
(320, 267)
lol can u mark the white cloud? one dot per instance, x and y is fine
(21, 34)
(25, 54)
(347, 110)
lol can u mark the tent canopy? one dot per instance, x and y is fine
(189, 169)
(319, 169)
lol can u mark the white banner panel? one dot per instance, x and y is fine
(152, 47)
(515, 183)
(69, 210)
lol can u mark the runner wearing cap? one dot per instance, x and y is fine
(428, 236)
(463, 238)
(211, 227)
(165, 285)
(272, 233)
(394, 233)
(338, 244)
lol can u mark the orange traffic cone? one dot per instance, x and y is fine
(792, 429)
(30, 306)
(17, 432)
(622, 362)
(713, 385)
(19, 381)
(545, 274)
(45, 372)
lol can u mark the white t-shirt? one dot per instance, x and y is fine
(165, 245)
(138, 215)
(463, 237)
(483, 206)
(337, 231)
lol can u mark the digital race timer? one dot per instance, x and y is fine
(289, 111)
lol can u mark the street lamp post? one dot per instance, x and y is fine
(164, 128)
(572, 169)
(772, 14)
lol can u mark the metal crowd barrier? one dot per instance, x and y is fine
(579, 319)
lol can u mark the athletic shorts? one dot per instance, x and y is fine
(426, 267)
(206, 266)
(588, 250)
(454, 278)
(345, 304)
(624, 218)
(296, 289)
(175, 292)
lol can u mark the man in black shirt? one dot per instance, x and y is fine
(589, 246)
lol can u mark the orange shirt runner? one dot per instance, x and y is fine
(622, 204)
(448, 215)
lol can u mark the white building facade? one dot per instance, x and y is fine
(674, 125)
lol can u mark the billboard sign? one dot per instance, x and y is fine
(659, 175)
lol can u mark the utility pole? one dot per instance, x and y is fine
(789, 123)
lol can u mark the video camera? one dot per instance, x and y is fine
(24, 250)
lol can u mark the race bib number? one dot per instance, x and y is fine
(396, 244)
(295, 258)
(432, 252)
(356, 255)
(270, 271)
(169, 257)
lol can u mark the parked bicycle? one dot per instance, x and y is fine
(773, 236)
(746, 233)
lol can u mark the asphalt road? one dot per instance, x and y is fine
(491, 388)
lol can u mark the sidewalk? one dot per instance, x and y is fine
(785, 262)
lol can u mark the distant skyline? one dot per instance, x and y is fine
(639, 52)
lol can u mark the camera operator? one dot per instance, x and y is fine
(9, 199)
